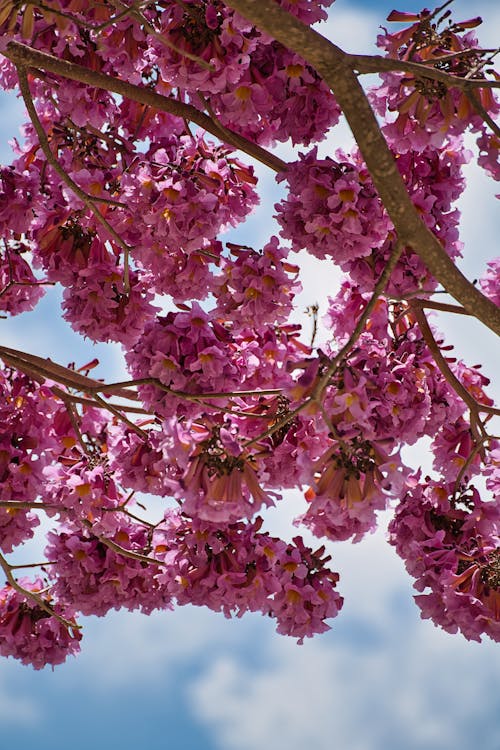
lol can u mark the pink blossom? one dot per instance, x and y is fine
(16, 525)
(352, 482)
(96, 578)
(222, 482)
(490, 282)
(425, 109)
(449, 540)
(256, 288)
(20, 290)
(238, 568)
(29, 633)
(332, 209)
(98, 305)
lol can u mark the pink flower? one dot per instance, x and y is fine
(29, 633)
(332, 209)
(449, 540)
(237, 568)
(20, 290)
(490, 282)
(98, 306)
(426, 110)
(349, 488)
(96, 578)
(221, 482)
(256, 288)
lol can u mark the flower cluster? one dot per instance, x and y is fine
(390, 387)
(425, 109)
(25, 450)
(353, 481)
(20, 290)
(332, 208)
(101, 307)
(97, 576)
(237, 568)
(29, 632)
(84, 491)
(449, 540)
(434, 180)
(222, 481)
(186, 352)
(279, 97)
(180, 194)
(190, 355)
(256, 289)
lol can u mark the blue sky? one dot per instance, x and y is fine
(380, 679)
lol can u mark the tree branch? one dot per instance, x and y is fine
(358, 329)
(76, 189)
(476, 103)
(378, 64)
(475, 407)
(332, 64)
(22, 55)
(35, 597)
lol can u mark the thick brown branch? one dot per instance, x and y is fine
(25, 56)
(44, 369)
(379, 64)
(333, 66)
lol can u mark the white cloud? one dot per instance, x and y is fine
(123, 645)
(418, 690)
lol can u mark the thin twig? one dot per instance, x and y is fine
(474, 407)
(358, 329)
(476, 103)
(443, 306)
(143, 435)
(39, 367)
(51, 158)
(39, 601)
(317, 394)
(34, 505)
(92, 402)
(478, 447)
(126, 552)
(105, 387)
(74, 423)
(34, 565)
(456, 55)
